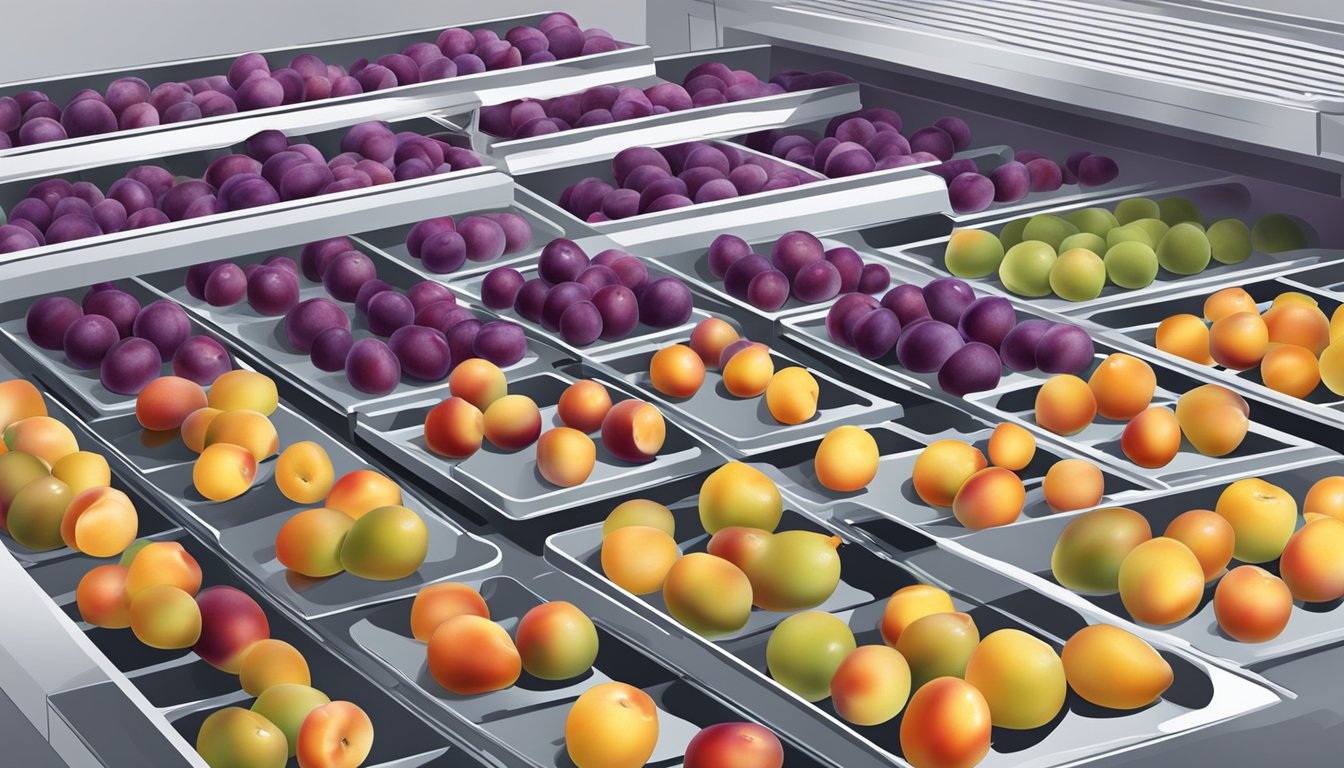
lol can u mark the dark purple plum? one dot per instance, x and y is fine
(226, 286)
(561, 261)
(816, 281)
(629, 159)
(1025, 156)
(118, 306)
(230, 165)
(40, 130)
(1045, 174)
(875, 333)
(794, 250)
(1018, 348)
(924, 347)
(88, 117)
(988, 320)
(309, 318)
(427, 292)
(372, 368)
(659, 188)
(631, 272)
(738, 276)
(1012, 182)
(388, 311)
(281, 261)
(933, 140)
(330, 349)
(462, 340)
(1065, 349)
(201, 359)
(1095, 170)
(72, 206)
(768, 290)
(367, 291)
(110, 215)
(197, 274)
(848, 160)
(483, 237)
(956, 129)
(973, 368)
(129, 365)
(558, 300)
(724, 251)
(875, 278)
(1074, 160)
(597, 276)
(260, 146)
(49, 317)
(272, 291)
(500, 287)
(645, 175)
(443, 252)
(16, 237)
(442, 315)
(849, 264)
(304, 180)
(422, 231)
(76, 226)
(517, 232)
(712, 191)
(620, 204)
(970, 192)
(946, 298)
(581, 324)
(501, 342)
(38, 212)
(316, 257)
(346, 273)
(843, 312)
(88, 339)
(619, 310)
(164, 324)
(422, 352)
(665, 303)
(531, 298)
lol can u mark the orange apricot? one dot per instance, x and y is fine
(1239, 340)
(583, 405)
(1123, 386)
(102, 597)
(748, 373)
(478, 381)
(991, 497)
(1209, 535)
(1228, 301)
(438, 603)
(1072, 484)
(709, 338)
(946, 725)
(1152, 438)
(1214, 419)
(1312, 564)
(1184, 336)
(454, 428)
(512, 422)
(1011, 447)
(195, 425)
(361, 491)
(1300, 325)
(791, 396)
(470, 654)
(1065, 404)
(1290, 369)
(166, 402)
(565, 456)
(942, 468)
(1325, 498)
(676, 371)
(1252, 605)
(100, 522)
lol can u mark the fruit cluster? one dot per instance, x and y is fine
(678, 371)
(585, 299)
(1028, 171)
(705, 85)
(127, 343)
(983, 494)
(129, 103)
(1212, 418)
(943, 328)
(52, 494)
(443, 245)
(1293, 343)
(799, 266)
(1075, 255)
(649, 180)
(480, 409)
(1162, 580)
(271, 169)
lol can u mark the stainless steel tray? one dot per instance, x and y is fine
(1015, 396)
(891, 492)
(225, 235)
(508, 482)
(824, 205)
(263, 337)
(457, 93)
(527, 720)
(244, 528)
(743, 426)
(599, 142)
(1231, 198)
(1023, 553)
(1202, 694)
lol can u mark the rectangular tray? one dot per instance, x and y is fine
(1015, 396)
(263, 338)
(184, 689)
(457, 93)
(509, 483)
(693, 266)
(599, 142)
(744, 426)
(891, 492)
(1235, 198)
(1201, 695)
(224, 235)
(824, 205)
(244, 528)
(1136, 325)
(526, 721)
(1023, 553)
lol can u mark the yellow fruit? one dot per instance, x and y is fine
(303, 473)
(1021, 678)
(1161, 581)
(847, 459)
(82, 470)
(791, 395)
(242, 390)
(941, 469)
(739, 494)
(1113, 668)
(246, 429)
(637, 558)
(1263, 516)
(1011, 447)
(908, 604)
(1312, 564)
(224, 471)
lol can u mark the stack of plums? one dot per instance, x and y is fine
(798, 266)
(650, 180)
(585, 299)
(944, 328)
(707, 84)
(31, 117)
(128, 344)
(443, 244)
(871, 140)
(269, 170)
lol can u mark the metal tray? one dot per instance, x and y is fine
(527, 720)
(78, 385)
(744, 426)
(1136, 325)
(263, 338)
(469, 287)
(1231, 198)
(891, 492)
(821, 206)
(1201, 695)
(599, 142)
(1015, 397)
(508, 482)
(1023, 553)
(244, 528)
(225, 235)
(693, 266)
(184, 689)
(457, 93)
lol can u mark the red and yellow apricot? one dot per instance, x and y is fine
(1065, 404)
(676, 371)
(99, 522)
(224, 471)
(565, 456)
(243, 390)
(469, 655)
(166, 402)
(438, 603)
(634, 431)
(512, 422)
(362, 490)
(583, 405)
(479, 382)
(942, 468)
(454, 428)
(1252, 605)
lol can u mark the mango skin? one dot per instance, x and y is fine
(1113, 668)
(1091, 547)
(1021, 678)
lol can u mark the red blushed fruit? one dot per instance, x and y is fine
(454, 428)
(335, 735)
(230, 623)
(633, 431)
(740, 745)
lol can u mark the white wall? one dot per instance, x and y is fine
(54, 37)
